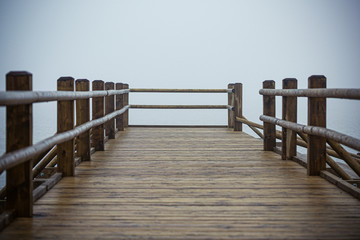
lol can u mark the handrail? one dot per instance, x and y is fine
(317, 131)
(183, 106)
(22, 155)
(346, 93)
(8, 98)
(164, 90)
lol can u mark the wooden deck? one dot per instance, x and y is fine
(190, 183)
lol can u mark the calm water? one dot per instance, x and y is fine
(342, 116)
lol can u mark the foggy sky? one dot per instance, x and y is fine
(182, 44)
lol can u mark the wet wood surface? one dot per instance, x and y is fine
(190, 183)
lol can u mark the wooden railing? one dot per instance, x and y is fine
(24, 162)
(315, 135)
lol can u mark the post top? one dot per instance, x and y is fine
(65, 79)
(82, 80)
(18, 73)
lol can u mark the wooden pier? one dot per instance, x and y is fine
(163, 182)
(190, 183)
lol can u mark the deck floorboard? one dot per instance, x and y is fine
(190, 183)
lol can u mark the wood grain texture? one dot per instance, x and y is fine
(98, 112)
(289, 113)
(316, 151)
(83, 116)
(65, 122)
(109, 108)
(269, 110)
(19, 134)
(190, 183)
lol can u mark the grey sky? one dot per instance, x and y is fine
(182, 44)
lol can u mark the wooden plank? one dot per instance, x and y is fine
(98, 112)
(83, 116)
(119, 105)
(289, 110)
(231, 98)
(109, 108)
(269, 110)
(316, 151)
(65, 122)
(19, 134)
(126, 102)
(238, 105)
(159, 183)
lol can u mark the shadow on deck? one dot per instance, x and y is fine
(190, 183)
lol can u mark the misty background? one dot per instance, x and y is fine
(184, 44)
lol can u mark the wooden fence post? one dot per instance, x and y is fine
(237, 106)
(289, 113)
(65, 122)
(109, 108)
(316, 152)
(126, 102)
(269, 110)
(83, 116)
(231, 97)
(19, 179)
(98, 112)
(119, 105)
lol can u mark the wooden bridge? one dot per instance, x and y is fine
(176, 182)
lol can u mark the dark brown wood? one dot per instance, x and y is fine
(355, 166)
(253, 126)
(237, 105)
(189, 183)
(83, 116)
(231, 97)
(98, 112)
(65, 122)
(316, 152)
(109, 108)
(45, 161)
(126, 102)
(269, 110)
(350, 93)
(19, 133)
(161, 90)
(119, 105)
(289, 113)
(181, 106)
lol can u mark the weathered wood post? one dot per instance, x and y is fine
(65, 122)
(289, 113)
(269, 110)
(237, 106)
(109, 108)
(98, 112)
(126, 102)
(19, 182)
(119, 105)
(231, 100)
(316, 151)
(83, 116)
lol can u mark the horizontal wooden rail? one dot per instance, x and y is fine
(182, 107)
(19, 156)
(317, 131)
(8, 98)
(346, 93)
(157, 90)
